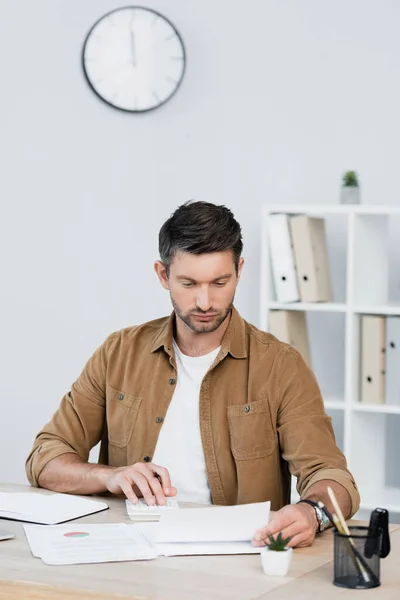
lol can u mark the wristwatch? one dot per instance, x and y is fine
(322, 519)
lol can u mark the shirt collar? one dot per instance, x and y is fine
(164, 335)
(233, 342)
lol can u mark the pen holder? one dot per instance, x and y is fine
(356, 558)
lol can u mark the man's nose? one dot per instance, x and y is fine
(203, 301)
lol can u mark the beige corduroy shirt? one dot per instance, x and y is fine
(261, 413)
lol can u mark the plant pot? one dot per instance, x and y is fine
(350, 195)
(274, 562)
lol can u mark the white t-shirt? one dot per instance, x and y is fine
(179, 448)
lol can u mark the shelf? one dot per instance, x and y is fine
(376, 209)
(334, 209)
(376, 408)
(384, 309)
(308, 306)
(362, 243)
(388, 498)
(334, 404)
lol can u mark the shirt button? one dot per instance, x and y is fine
(120, 396)
(159, 420)
(147, 459)
(171, 381)
(246, 408)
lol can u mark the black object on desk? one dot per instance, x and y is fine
(352, 569)
(379, 521)
(357, 557)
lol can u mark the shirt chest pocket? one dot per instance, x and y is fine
(122, 412)
(250, 430)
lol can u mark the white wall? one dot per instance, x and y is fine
(279, 98)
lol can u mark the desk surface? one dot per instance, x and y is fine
(179, 578)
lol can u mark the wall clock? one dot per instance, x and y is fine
(134, 59)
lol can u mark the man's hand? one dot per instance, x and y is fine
(297, 521)
(146, 480)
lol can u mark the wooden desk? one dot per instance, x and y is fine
(180, 578)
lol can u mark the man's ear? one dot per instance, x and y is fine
(161, 271)
(240, 267)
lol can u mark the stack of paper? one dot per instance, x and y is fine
(143, 512)
(48, 509)
(78, 544)
(212, 530)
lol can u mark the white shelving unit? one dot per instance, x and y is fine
(360, 257)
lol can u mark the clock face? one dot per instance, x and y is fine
(134, 59)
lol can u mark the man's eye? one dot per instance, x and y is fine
(188, 285)
(220, 283)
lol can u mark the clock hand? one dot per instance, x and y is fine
(133, 48)
(132, 41)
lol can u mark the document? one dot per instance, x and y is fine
(282, 259)
(311, 258)
(290, 327)
(392, 360)
(47, 509)
(373, 346)
(82, 544)
(211, 530)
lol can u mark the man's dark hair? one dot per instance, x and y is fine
(200, 228)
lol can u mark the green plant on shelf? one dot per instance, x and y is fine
(278, 544)
(350, 179)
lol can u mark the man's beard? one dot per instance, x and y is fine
(206, 327)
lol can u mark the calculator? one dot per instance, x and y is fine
(143, 512)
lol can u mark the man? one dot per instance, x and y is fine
(202, 403)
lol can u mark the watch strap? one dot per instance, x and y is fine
(317, 511)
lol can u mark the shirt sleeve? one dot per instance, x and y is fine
(77, 426)
(305, 431)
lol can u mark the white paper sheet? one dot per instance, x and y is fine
(215, 524)
(208, 548)
(37, 536)
(47, 509)
(214, 530)
(100, 543)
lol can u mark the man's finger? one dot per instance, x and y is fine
(280, 521)
(300, 540)
(155, 485)
(261, 536)
(298, 537)
(162, 491)
(292, 531)
(154, 482)
(165, 477)
(126, 487)
(141, 482)
(277, 524)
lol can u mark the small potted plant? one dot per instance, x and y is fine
(350, 192)
(276, 556)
